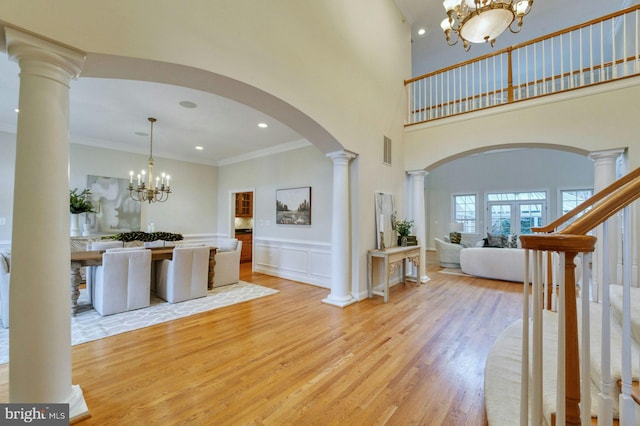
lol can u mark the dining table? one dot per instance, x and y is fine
(80, 259)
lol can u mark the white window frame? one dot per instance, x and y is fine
(515, 208)
(477, 207)
(569, 189)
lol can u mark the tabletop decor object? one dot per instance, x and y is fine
(79, 203)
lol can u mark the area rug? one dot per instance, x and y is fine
(89, 325)
(454, 271)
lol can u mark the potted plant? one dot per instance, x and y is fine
(79, 203)
(403, 228)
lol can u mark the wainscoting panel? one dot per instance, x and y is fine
(305, 261)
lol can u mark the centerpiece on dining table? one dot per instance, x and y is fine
(150, 239)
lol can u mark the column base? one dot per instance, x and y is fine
(78, 409)
(339, 302)
(424, 279)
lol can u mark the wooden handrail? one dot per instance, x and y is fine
(603, 211)
(600, 195)
(528, 43)
(571, 241)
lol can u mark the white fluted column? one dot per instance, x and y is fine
(419, 218)
(340, 231)
(40, 294)
(604, 163)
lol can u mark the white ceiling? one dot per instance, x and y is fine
(113, 113)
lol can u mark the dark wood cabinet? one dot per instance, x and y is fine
(247, 246)
(244, 204)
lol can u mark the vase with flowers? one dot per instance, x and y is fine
(403, 228)
(79, 203)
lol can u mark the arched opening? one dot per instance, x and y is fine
(506, 189)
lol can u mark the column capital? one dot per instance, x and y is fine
(342, 155)
(415, 173)
(66, 62)
(606, 154)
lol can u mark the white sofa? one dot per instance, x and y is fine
(227, 270)
(505, 264)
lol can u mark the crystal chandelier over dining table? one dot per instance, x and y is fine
(157, 191)
(481, 21)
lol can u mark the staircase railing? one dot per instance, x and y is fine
(573, 361)
(595, 52)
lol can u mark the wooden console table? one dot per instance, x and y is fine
(94, 258)
(392, 258)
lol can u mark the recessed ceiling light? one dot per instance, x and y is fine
(199, 148)
(188, 104)
(263, 125)
(421, 31)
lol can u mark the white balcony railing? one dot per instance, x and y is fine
(595, 52)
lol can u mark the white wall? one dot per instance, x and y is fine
(515, 170)
(297, 252)
(592, 119)
(190, 210)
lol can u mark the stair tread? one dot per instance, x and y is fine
(635, 390)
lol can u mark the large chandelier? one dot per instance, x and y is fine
(158, 192)
(481, 21)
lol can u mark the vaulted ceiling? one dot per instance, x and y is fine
(113, 113)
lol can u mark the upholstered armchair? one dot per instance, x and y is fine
(448, 253)
(123, 281)
(5, 265)
(227, 270)
(184, 277)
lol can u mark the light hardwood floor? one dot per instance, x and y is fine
(290, 359)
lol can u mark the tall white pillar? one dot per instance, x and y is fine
(40, 333)
(605, 174)
(340, 231)
(417, 185)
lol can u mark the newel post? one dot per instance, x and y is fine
(570, 245)
(572, 354)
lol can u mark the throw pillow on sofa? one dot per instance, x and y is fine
(499, 241)
(455, 237)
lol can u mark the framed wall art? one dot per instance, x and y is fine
(385, 219)
(115, 210)
(293, 206)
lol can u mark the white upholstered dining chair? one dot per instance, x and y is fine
(184, 277)
(91, 270)
(123, 281)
